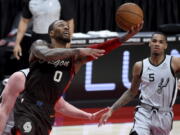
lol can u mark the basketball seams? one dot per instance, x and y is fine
(126, 21)
(130, 12)
(125, 26)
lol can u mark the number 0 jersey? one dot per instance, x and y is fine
(158, 85)
(47, 81)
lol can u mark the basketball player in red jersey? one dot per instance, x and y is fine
(52, 67)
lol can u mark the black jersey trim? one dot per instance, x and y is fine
(136, 110)
(26, 13)
(141, 70)
(158, 64)
(0, 99)
(172, 71)
(25, 74)
(174, 90)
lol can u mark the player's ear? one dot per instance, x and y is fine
(166, 45)
(51, 34)
(149, 44)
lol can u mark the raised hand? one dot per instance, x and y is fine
(136, 29)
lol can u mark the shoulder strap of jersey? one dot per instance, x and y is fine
(25, 71)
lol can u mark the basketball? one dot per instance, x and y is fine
(128, 15)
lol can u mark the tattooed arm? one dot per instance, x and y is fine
(128, 96)
(40, 50)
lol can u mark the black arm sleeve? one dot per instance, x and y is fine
(26, 12)
(68, 9)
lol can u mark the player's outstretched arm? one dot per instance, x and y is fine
(9, 96)
(127, 96)
(107, 46)
(69, 110)
(110, 45)
(41, 50)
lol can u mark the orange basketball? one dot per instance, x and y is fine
(128, 15)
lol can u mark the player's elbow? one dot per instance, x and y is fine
(59, 107)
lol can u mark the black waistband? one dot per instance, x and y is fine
(149, 107)
(32, 100)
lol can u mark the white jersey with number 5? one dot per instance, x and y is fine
(158, 86)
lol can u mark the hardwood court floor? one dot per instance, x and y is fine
(108, 129)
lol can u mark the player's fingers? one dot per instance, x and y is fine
(101, 111)
(99, 50)
(20, 53)
(16, 55)
(141, 25)
(102, 121)
(132, 29)
(96, 55)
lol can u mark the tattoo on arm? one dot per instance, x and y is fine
(123, 100)
(42, 51)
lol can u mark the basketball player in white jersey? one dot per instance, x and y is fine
(155, 79)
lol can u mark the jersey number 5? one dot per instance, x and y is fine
(151, 77)
(58, 76)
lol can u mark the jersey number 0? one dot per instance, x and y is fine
(58, 76)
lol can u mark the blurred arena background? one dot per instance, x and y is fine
(99, 83)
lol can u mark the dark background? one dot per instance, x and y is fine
(93, 15)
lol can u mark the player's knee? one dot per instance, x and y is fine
(25, 126)
(133, 133)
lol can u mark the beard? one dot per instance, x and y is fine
(60, 38)
(156, 54)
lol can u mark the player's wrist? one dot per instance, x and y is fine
(90, 116)
(124, 38)
(112, 109)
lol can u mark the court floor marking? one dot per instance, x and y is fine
(108, 129)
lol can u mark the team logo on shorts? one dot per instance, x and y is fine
(27, 127)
